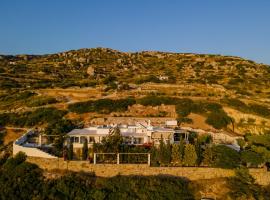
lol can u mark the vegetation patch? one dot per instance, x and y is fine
(33, 118)
(102, 106)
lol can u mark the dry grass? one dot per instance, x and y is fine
(211, 188)
(12, 135)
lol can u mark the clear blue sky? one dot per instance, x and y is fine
(229, 27)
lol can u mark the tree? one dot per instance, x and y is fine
(198, 149)
(205, 139)
(70, 151)
(225, 157)
(241, 142)
(242, 186)
(176, 156)
(112, 143)
(207, 156)
(251, 158)
(85, 149)
(181, 148)
(20, 179)
(218, 119)
(154, 156)
(164, 152)
(190, 156)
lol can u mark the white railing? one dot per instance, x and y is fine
(118, 156)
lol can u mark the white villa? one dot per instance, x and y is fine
(141, 133)
(138, 134)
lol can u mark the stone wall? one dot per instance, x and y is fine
(109, 170)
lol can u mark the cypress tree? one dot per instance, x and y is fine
(198, 151)
(176, 156)
(85, 150)
(181, 148)
(207, 156)
(70, 151)
(190, 156)
(164, 152)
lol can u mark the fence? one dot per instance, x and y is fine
(122, 158)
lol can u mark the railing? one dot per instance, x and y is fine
(122, 158)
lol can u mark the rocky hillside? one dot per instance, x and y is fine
(241, 86)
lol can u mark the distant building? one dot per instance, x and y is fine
(171, 123)
(163, 78)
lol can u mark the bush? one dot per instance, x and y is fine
(260, 110)
(225, 157)
(40, 101)
(19, 179)
(243, 186)
(218, 119)
(190, 155)
(102, 106)
(87, 186)
(251, 158)
(262, 140)
(28, 119)
(157, 100)
(184, 107)
(146, 79)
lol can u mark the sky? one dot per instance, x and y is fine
(227, 27)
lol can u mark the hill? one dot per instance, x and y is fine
(241, 87)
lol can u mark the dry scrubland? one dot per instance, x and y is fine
(61, 91)
(61, 79)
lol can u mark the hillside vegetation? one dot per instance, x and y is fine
(238, 89)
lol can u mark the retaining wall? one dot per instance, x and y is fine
(108, 170)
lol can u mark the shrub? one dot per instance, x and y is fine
(184, 107)
(218, 119)
(262, 140)
(225, 157)
(251, 158)
(260, 110)
(39, 116)
(146, 79)
(157, 100)
(190, 155)
(102, 106)
(40, 101)
(243, 186)
(19, 179)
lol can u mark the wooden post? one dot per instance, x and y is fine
(118, 159)
(149, 159)
(95, 158)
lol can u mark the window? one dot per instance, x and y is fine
(127, 140)
(138, 140)
(71, 139)
(82, 139)
(76, 139)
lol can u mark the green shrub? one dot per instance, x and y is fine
(225, 157)
(102, 106)
(40, 101)
(19, 179)
(260, 110)
(218, 119)
(28, 119)
(154, 100)
(251, 158)
(146, 79)
(262, 140)
(243, 186)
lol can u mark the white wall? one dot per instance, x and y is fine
(32, 152)
(29, 149)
